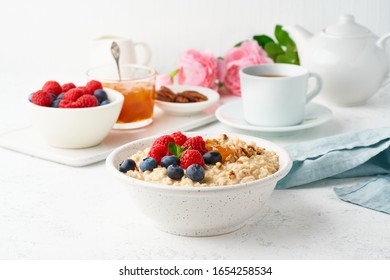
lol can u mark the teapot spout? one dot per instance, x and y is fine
(299, 34)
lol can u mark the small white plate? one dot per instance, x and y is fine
(232, 115)
(188, 108)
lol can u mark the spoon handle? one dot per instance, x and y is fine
(115, 50)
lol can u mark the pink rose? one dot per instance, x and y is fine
(249, 53)
(163, 80)
(198, 69)
(232, 79)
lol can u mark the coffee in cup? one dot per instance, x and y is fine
(276, 94)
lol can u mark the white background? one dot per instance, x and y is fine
(53, 37)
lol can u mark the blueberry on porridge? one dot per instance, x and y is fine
(193, 161)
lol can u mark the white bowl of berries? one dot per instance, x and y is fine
(199, 184)
(74, 117)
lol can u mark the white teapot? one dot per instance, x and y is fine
(350, 59)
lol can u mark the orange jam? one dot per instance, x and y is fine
(212, 145)
(138, 100)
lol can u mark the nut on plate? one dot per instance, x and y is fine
(187, 96)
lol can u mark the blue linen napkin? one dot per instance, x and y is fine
(362, 153)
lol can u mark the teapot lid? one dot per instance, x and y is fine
(347, 27)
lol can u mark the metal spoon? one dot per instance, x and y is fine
(116, 53)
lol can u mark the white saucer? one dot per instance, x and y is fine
(232, 115)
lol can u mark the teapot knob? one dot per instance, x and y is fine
(346, 27)
(347, 18)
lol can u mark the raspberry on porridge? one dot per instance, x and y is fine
(233, 161)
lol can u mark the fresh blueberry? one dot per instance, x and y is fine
(61, 95)
(195, 172)
(212, 157)
(100, 95)
(53, 97)
(148, 164)
(126, 165)
(104, 102)
(175, 172)
(169, 160)
(55, 103)
(30, 96)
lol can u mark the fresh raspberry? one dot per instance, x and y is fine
(195, 143)
(179, 138)
(68, 86)
(190, 157)
(83, 101)
(42, 98)
(52, 87)
(163, 140)
(86, 101)
(86, 90)
(94, 85)
(157, 152)
(66, 103)
(73, 94)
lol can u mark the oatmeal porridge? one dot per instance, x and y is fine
(239, 162)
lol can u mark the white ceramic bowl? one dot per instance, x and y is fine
(76, 128)
(188, 108)
(198, 211)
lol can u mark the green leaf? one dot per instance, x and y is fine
(291, 47)
(282, 59)
(282, 36)
(175, 149)
(262, 39)
(292, 54)
(238, 44)
(173, 73)
(288, 57)
(281, 50)
(273, 50)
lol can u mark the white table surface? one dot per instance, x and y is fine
(53, 211)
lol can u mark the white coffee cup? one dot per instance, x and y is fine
(100, 51)
(276, 94)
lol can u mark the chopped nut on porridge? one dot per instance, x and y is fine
(213, 162)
